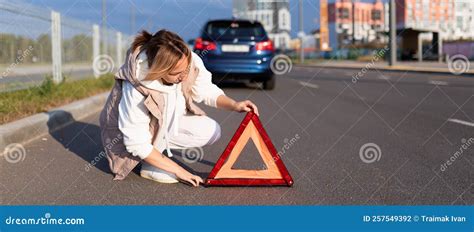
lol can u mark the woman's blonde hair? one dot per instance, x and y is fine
(163, 50)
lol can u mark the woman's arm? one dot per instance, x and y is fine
(134, 122)
(159, 160)
(205, 91)
(225, 102)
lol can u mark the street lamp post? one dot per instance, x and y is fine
(393, 34)
(301, 33)
(104, 28)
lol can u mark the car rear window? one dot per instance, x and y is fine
(230, 30)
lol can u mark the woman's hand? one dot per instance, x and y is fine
(161, 161)
(190, 178)
(246, 106)
(224, 102)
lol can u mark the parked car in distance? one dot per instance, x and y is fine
(238, 50)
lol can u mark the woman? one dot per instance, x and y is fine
(151, 110)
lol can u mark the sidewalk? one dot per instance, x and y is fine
(429, 66)
(29, 128)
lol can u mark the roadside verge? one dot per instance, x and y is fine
(27, 129)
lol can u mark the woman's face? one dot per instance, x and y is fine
(179, 73)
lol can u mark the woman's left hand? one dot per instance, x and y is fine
(246, 106)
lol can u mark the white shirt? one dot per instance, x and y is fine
(134, 116)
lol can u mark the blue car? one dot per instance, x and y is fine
(236, 50)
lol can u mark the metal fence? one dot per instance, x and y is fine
(37, 42)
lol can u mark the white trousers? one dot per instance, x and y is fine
(194, 131)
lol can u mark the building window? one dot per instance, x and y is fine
(460, 22)
(344, 13)
(284, 19)
(376, 15)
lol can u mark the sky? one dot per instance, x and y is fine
(186, 17)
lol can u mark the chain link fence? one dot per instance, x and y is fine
(36, 43)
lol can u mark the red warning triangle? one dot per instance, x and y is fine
(275, 173)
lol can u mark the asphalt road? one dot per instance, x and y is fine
(419, 121)
(25, 80)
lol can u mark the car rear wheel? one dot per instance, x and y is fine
(269, 84)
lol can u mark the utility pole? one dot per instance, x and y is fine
(353, 22)
(301, 33)
(104, 28)
(393, 34)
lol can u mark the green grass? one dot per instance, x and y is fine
(22, 103)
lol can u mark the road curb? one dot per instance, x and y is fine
(395, 69)
(27, 129)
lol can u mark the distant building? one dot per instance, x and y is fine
(464, 21)
(273, 14)
(309, 44)
(322, 35)
(438, 21)
(453, 19)
(353, 22)
(425, 15)
(357, 22)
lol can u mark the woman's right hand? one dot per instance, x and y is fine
(190, 178)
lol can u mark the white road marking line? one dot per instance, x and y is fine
(347, 73)
(383, 78)
(461, 122)
(438, 82)
(306, 84)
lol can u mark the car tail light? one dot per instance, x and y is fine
(264, 46)
(200, 44)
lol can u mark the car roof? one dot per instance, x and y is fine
(234, 20)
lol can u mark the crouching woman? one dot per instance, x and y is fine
(151, 109)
